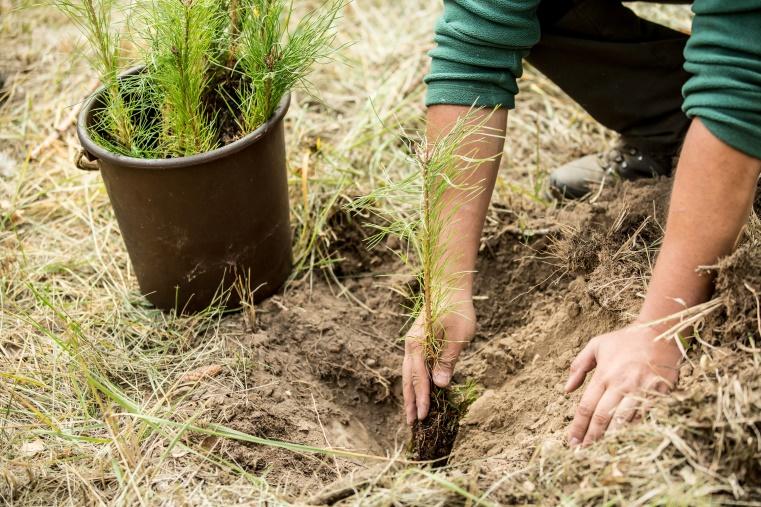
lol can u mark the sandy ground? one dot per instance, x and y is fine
(319, 364)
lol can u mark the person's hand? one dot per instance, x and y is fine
(627, 363)
(458, 326)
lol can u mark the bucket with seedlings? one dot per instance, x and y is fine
(417, 209)
(190, 143)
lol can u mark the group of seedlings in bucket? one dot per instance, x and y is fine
(212, 71)
(418, 209)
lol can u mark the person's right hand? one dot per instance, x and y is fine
(458, 326)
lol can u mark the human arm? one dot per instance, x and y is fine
(476, 61)
(465, 227)
(479, 51)
(713, 189)
(713, 192)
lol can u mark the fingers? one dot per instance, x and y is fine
(584, 412)
(410, 408)
(625, 412)
(416, 378)
(416, 385)
(583, 364)
(422, 385)
(457, 332)
(605, 410)
(602, 415)
(444, 367)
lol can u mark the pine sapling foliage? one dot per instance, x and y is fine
(182, 35)
(94, 20)
(215, 70)
(273, 60)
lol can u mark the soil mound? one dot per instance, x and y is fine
(703, 441)
(541, 300)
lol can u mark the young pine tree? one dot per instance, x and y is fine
(417, 209)
(184, 37)
(274, 60)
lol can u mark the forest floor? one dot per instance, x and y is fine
(297, 401)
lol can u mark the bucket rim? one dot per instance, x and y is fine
(96, 151)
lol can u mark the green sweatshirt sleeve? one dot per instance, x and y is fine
(479, 50)
(723, 55)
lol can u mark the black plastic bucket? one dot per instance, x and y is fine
(193, 226)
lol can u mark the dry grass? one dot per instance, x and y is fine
(79, 350)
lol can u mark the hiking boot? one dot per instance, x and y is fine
(579, 177)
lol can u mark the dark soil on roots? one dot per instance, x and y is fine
(433, 437)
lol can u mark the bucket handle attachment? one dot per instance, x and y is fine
(84, 162)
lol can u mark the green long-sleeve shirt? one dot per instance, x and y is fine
(480, 45)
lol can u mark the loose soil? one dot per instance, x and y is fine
(433, 438)
(318, 368)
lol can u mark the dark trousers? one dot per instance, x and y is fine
(625, 71)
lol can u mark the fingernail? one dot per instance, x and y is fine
(574, 442)
(420, 414)
(441, 379)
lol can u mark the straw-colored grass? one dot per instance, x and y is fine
(88, 373)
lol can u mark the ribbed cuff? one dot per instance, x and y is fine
(468, 93)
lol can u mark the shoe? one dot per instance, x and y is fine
(624, 162)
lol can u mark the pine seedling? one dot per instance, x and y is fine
(418, 209)
(273, 60)
(183, 37)
(94, 20)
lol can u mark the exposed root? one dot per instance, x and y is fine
(433, 437)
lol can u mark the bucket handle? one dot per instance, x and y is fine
(84, 161)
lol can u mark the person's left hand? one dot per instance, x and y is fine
(627, 363)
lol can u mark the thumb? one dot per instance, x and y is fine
(584, 363)
(444, 366)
